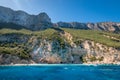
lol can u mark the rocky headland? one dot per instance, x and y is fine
(34, 39)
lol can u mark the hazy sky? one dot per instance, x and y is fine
(70, 10)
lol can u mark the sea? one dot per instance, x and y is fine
(60, 72)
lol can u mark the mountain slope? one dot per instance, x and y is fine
(58, 46)
(26, 39)
(43, 21)
(103, 26)
(33, 22)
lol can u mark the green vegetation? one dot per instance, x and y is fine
(100, 59)
(93, 58)
(45, 33)
(21, 48)
(12, 31)
(15, 51)
(97, 36)
(56, 36)
(16, 45)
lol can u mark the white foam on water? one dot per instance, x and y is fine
(57, 64)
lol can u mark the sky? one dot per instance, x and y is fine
(70, 10)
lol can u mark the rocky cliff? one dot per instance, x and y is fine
(58, 46)
(32, 22)
(43, 21)
(103, 26)
(62, 42)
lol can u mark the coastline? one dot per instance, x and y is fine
(61, 65)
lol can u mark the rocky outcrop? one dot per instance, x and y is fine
(20, 47)
(13, 59)
(43, 21)
(103, 26)
(33, 22)
(60, 49)
(74, 25)
(87, 52)
(100, 54)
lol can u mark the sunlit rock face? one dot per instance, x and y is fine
(74, 25)
(45, 51)
(90, 52)
(103, 26)
(100, 54)
(52, 51)
(33, 22)
(12, 59)
(43, 21)
(60, 48)
(6, 14)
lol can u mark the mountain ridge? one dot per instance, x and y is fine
(43, 21)
(33, 22)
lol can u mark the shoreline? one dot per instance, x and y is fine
(60, 65)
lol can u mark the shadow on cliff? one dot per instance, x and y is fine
(58, 29)
(11, 26)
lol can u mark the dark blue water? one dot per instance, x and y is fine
(60, 72)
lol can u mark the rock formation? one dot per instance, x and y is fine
(56, 45)
(33, 22)
(103, 26)
(43, 21)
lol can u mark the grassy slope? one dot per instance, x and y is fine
(20, 49)
(97, 36)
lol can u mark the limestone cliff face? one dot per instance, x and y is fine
(43, 21)
(99, 53)
(33, 22)
(60, 48)
(103, 26)
(53, 51)
(12, 59)
(74, 25)
(87, 52)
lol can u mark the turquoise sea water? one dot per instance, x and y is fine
(60, 72)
